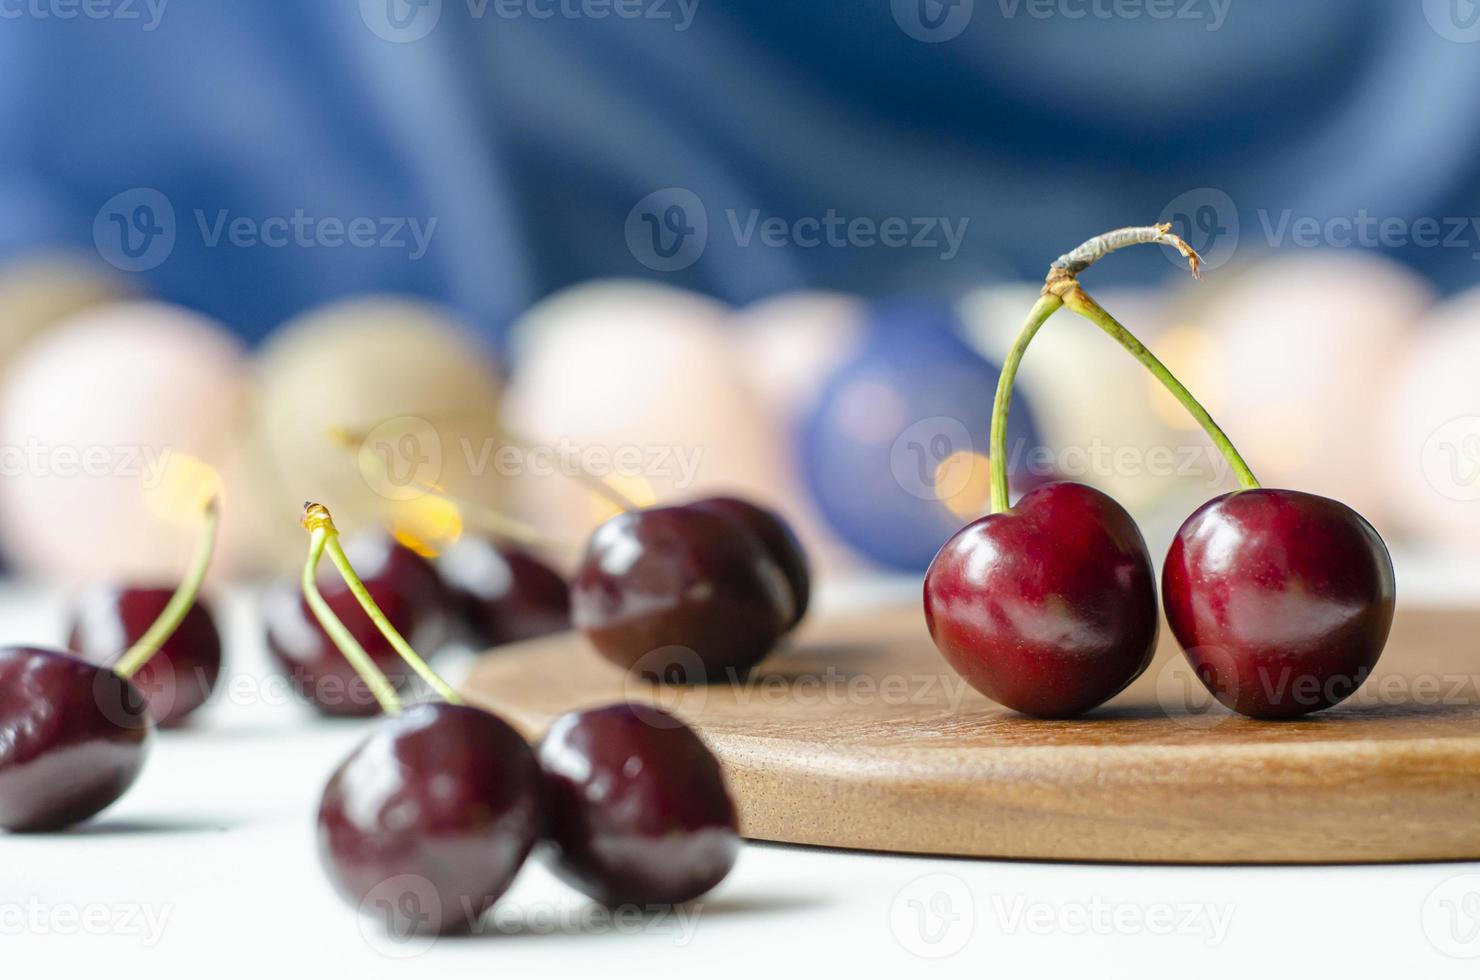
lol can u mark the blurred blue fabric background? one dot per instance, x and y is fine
(520, 144)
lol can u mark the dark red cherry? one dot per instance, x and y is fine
(73, 737)
(181, 674)
(679, 591)
(505, 593)
(426, 823)
(780, 542)
(1282, 600)
(636, 808)
(1049, 607)
(401, 582)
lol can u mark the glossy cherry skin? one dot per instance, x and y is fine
(679, 591)
(181, 674)
(426, 824)
(1281, 600)
(636, 808)
(73, 737)
(1049, 607)
(779, 540)
(406, 588)
(505, 594)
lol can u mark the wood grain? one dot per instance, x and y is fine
(858, 735)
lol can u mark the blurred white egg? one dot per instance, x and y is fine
(39, 291)
(639, 385)
(362, 404)
(98, 414)
(1096, 406)
(790, 343)
(1428, 454)
(1305, 345)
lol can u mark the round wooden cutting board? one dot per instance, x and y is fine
(856, 734)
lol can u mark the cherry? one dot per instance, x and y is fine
(636, 807)
(430, 819)
(402, 583)
(181, 674)
(1048, 608)
(1282, 600)
(505, 593)
(780, 542)
(680, 589)
(74, 734)
(73, 737)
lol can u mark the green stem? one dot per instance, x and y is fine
(1043, 309)
(1079, 301)
(174, 611)
(373, 676)
(423, 670)
(317, 520)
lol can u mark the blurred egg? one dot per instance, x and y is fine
(102, 418)
(1098, 410)
(638, 387)
(39, 291)
(1304, 345)
(363, 404)
(1429, 462)
(789, 344)
(894, 450)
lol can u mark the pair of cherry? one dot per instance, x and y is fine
(488, 592)
(75, 727)
(694, 593)
(1281, 600)
(429, 820)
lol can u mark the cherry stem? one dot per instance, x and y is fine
(599, 485)
(373, 676)
(315, 518)
(1061, 288)
(1047, 304)
(1080, 302)
(174, 612)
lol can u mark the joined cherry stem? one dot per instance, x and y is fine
(174, 612)
(1061, 288)
(318, 522)
(374, 678)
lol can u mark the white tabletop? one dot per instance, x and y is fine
(207, 868)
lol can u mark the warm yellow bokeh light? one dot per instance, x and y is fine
(963, 481)
(428, 524)
(182, 490)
